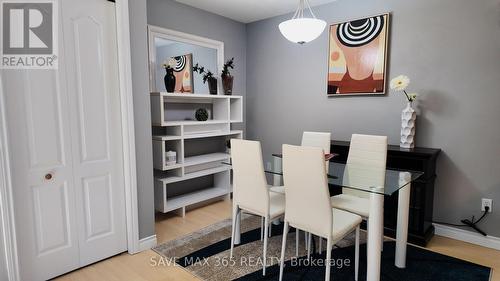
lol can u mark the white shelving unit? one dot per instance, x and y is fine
(175, 128)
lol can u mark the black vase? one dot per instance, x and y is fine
(169, 80)
(212, 85)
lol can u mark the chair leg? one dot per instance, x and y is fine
(382, 245)
(262, 228)
(309, 238)
(328, 257)
(320, 244)
(382, 237)
(297, 231)
(233, 230)
(264, 262)
(283, 246)
(305, 239)
(367, 231)
(356, 255)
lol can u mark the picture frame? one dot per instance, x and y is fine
(357, 56)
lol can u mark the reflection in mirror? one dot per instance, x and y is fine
(182, 57)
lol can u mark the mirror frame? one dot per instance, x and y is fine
(173, 35)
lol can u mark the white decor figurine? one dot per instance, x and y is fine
(408, 116)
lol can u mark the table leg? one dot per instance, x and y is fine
(402, 227)
(237, 235)
(277, 167)
(374, 233)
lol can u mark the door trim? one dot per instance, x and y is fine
(128, 137)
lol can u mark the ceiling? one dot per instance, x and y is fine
(249, 10)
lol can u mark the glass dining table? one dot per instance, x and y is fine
(374, 183)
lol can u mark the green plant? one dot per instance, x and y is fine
(207, 74)
(228, 65)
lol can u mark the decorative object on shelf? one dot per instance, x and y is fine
(227, 78)
(183, 72)
(171, 157)
(408, 116)
(212, 85)
(201, 114)
(300, 29)
(207, 76)
(363, 40)
(169, 78)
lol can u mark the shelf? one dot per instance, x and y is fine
(216, 134)
(205, 158)
(174, 129)
(193, 96)
(192, 122)
(167, 138)
(206, 172)
(171, 167)
(195, 197)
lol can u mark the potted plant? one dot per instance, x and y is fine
(227, 78)
(207, 76)
(169, 78)
(408, 116)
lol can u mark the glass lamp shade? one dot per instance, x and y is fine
(302, 30)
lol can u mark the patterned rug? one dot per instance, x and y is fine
(205, 254)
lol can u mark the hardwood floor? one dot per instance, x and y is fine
(138, 267)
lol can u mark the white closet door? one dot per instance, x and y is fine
(42, 170)
(65, 143)
(90, 46)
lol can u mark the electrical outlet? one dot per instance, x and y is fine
(485, 202)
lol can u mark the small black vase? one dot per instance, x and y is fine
(169, 80)
(212, 85)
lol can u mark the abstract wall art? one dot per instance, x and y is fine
(357, 56)
(183, 71)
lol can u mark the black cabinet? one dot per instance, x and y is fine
(420, 228)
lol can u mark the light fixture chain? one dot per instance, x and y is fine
(299, 13)
(309, 7)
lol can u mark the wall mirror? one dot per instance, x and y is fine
(182, 51)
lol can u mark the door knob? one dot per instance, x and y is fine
(48, 176)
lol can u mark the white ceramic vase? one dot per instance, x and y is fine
(408, 118)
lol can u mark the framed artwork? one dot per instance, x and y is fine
(357, 56)
(183, 72)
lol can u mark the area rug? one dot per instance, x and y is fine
(205, 254)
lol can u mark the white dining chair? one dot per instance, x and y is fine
(312, 139)
(321, 140)
(251, 193)
(368, 151)
(307, 204)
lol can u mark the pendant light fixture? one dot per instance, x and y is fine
(300, 29)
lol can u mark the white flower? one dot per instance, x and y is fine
(399, 83)
(412, 96)
(172, 62)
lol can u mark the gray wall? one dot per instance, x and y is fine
(142, 116)
(3, 263)
(173, 15)
(451, 51)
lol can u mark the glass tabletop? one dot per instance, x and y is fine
(365, 178)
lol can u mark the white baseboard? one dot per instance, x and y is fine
(467, 236)
(147, 243)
